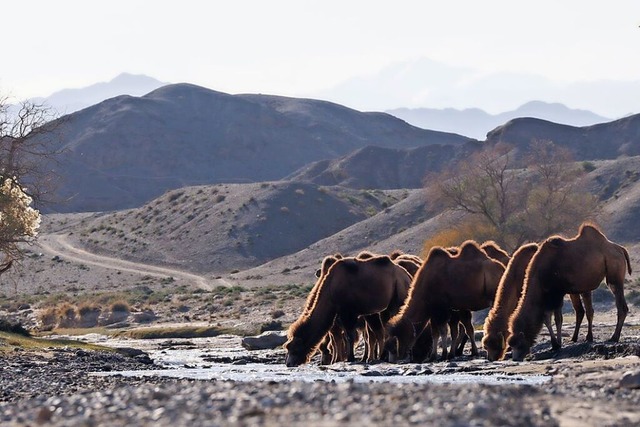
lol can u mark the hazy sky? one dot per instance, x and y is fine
(297, 47)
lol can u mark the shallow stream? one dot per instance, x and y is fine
(223, 358)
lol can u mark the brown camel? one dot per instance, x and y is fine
(467, 331)
(466, 281)
(459, 323)
(351, 288)
(567, 266)
(509, 290)
(334, 346)
(496, 326)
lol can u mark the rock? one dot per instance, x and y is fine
(115, 317)
(146, 316)
(630, 380)
(265, 341)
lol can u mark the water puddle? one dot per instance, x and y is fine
(259, 372)
(223, 358)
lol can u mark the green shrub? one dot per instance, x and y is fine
(13, 328)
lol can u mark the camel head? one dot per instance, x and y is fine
(401, 336)
(520, 347)
(495, 345)
(296, 352)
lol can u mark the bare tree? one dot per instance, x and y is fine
(27, 147)
(524, 199)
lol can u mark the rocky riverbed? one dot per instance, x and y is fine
(585, 385)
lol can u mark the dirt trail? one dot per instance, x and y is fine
(57, 244)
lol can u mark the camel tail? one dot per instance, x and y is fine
(626, 255)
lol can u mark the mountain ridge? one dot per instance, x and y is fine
(126, 150)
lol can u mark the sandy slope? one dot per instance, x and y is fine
(59, 245)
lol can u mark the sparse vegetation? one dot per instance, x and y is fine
(588, 166)
(181, 332)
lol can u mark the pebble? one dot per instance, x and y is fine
(40, 389)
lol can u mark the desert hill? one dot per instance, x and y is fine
(602, 141)
(226, 227)
(376, 167)
(267, 233)
(127, 150)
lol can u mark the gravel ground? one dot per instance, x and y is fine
(55, 388)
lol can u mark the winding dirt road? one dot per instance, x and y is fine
(58, 244)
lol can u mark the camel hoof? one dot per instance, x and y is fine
(589, 338)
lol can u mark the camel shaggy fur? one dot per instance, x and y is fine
(351, 288)
(496, 326)
(567, 266)
(466, 281)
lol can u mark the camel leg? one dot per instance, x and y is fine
(455, 334)
(375, 337)
(435, 336)
(378, 330)
(352, 336)
(325, 350)
(552, 334)
(558, 316)
(350, 326)
(462, 339)
(588, 305)
(366, 351)
(470, 331)
(579, 309)
(444, 334)
(621, 306)
(342, 351)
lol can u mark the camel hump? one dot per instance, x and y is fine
(491, 245)
(438, 252)
(381, 260)
(365, 255)
(395, 254)
(590, 229)
(327, 262)
(453, 250)
(413, 258)
(555, 241)
(470, 249)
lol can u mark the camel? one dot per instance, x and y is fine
(567, 266)
(466, 281)
(334, 347)
(351, 288)
(467, 331)
(496, 325)
(507, 296)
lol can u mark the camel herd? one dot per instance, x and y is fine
(402, 306)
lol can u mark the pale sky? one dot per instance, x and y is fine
(297, 47)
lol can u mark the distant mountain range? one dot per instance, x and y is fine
(127, 150)
(67, 101)
(476, 123)
(471, 122)
(425, 82)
